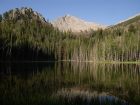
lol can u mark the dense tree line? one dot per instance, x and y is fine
(26, 37)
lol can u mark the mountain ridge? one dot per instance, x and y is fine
(64, 24)
(69, 22)
(128, 18)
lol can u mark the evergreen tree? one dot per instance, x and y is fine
(25, 37)
(0, 18)
(131, 28)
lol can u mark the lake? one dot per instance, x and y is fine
(69, 83)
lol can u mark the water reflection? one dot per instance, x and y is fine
(28, 81)
(73, 95)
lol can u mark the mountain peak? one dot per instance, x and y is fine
(68, 15)
(75, 24)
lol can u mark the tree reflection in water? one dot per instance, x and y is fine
(31, 81)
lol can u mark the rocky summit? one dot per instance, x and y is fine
(16, 13)
(74, 24)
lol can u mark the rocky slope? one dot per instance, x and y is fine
(17, 13)
(74, 24)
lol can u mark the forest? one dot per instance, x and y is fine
(25, 37)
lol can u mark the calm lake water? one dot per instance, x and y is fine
(69, 83)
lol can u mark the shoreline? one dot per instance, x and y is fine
(106, 62)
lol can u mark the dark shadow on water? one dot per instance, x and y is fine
(36, 83)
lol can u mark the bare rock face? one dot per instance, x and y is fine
(74, 24)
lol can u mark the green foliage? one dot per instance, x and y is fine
(131, 28)
(6, 15)
(0, 18)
